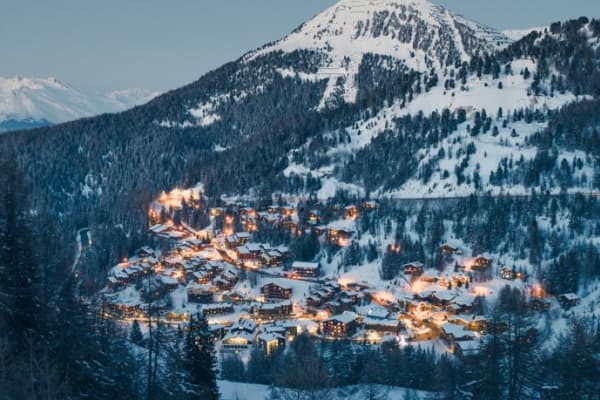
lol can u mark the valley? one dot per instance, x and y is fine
(392, 201)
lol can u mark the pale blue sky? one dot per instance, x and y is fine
(103, 45)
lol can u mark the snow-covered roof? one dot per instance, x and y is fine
(305, 265)
(269, 337)
(570, 296)
(346, 225)
(345, 318)
(457, 331)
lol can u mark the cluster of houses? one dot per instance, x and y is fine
(337, 227)
(207, 273)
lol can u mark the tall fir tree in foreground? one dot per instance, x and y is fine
(200, 361)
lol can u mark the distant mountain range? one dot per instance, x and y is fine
(32, 102)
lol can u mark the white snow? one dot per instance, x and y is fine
(342, 32)
(517, 34)
(248, 391)
(55, 102)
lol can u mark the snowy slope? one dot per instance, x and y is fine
(34, 101)
(516, 34)
(417, 32)
(247, 391)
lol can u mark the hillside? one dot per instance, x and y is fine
(397, 99)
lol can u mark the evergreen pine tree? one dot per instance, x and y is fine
(200, 361)
(136, 333)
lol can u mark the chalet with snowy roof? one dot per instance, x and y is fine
(244, 325)
(276, 291)
(200, 294)
(339, 233)
(314, 301)
(476, 323)
(217, 309)
(449, 249)
(216, 267)
(255, 249)
(442, 298)
(236, 297)
(382, 325)
(455, 333)
(274, 310)
(414, 269)
(460, 305)
(273, 258)
(468, 348)
(243, 254)
(202, 277)
(341, 325)
(169, 283)
(351, 212)
(237, 341)
(223, 284)
(145, 252)
(271, 342)
(131, 309)
(569, 300)
(232, 242)
(230, 276)
(481, 263)
(306, 269)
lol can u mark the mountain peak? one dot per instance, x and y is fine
(418, 33)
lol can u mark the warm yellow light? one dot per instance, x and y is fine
(481, 291)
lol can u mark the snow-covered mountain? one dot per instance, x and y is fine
(33, 102)
(420, 34)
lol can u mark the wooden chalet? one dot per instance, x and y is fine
(341, 325)
(274, 310)
(414, 269)
(217, 309)
(449, 249)
(306, 269)
(275, 291)
(476, 323)
(235, 341)
(271, 342)
(382, 325)
(351, 212)
(200, 294)
(569, 300)
(481, 263)
(145, 252)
